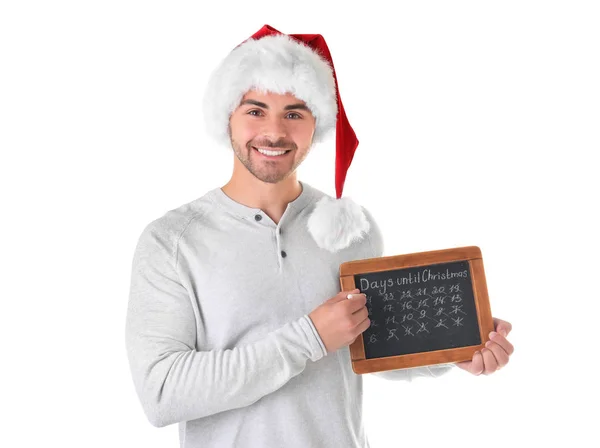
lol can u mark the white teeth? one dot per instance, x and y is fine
(270, 153)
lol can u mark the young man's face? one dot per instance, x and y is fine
(274, 122)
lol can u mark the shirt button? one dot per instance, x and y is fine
(257, 217)
(283, 254)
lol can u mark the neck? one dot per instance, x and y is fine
(270, 198)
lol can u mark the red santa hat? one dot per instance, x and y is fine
(299, 64)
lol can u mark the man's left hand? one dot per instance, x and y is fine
(496, 353)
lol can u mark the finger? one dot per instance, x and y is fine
(501, 326)
(342, 295)
(477, 364)
(349, 294)
(474, 366)
(357, 302)
(502, 342)
(489, 361)
(499, 353)
(360, 316)
(464, 365)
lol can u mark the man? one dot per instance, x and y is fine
(236, 328)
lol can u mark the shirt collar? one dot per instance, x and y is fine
(243, 211)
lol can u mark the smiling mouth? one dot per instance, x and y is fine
(274, 153)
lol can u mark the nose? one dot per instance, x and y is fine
(274, 128)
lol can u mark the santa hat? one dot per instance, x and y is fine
(299, 64)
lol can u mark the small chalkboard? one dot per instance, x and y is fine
(425, 308)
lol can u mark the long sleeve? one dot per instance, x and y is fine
(375, 237)
(410, 374)
(173, 380)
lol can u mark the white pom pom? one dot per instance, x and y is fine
(336, 223)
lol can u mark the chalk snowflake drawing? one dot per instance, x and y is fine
(407, 331)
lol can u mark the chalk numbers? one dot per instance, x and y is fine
(418, 311)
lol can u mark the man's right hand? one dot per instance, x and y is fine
(340, 320)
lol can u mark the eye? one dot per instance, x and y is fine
(250, 112)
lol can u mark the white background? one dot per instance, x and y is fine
(478, 125)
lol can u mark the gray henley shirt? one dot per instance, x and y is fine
(218, 335)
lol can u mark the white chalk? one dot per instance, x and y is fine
(349, 296)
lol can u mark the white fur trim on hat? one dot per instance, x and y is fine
(278, 64)
(336, 223)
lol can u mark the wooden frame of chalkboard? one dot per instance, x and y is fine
(428, 288)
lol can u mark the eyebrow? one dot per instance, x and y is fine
(264, 106)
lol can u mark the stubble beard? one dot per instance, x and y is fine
(265, 171)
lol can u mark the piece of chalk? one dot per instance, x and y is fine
(349, 296)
